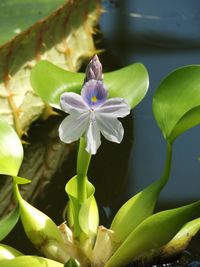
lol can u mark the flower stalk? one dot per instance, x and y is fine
(83, 162)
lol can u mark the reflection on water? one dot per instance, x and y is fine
(163, 35)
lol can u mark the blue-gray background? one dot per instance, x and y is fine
(163, 35)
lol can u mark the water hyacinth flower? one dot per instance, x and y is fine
(92, 114)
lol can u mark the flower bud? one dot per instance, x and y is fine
(94, 70)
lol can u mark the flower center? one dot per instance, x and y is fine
(94, 99)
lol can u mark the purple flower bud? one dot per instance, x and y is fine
(94, 70)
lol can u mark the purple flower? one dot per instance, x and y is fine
(92, 114)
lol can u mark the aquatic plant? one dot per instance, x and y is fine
(94, 101)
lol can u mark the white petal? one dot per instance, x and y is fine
(72, 103)
(117, 107)
(73, 127)
(93, 137)
(110, 127)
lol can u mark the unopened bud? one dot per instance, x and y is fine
(94, 70)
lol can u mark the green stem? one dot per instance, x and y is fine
(164, 179)
(83, 162)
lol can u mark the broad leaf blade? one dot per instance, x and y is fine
(63, 37)
(59, 81)
(177, 95)
(11, 151)
(39, 227)
(85, 215)
(8, 253)
(27, 261)
(134, 211)
(181, 239)
(8, 223)
(17, 16)
(153, 233)
(189, 120)
(130, 82)
(140, 206)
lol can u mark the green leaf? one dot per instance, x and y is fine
(58, 30)
(153, 233)
(140, 206)
(59, 81)
(17, 16)
(21, 180)
(175, 246)
(8, 253)
(8, 223)
(27, 261)
(11, 150)
(181, 239)
(130, 82)
(41, 230)
(189, 120)
(84, 214)
(177, 100)
(71, 263)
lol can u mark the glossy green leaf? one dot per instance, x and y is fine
(21, 180)
(11, 150)
(130, 82)
(58, 30)
(140, 206)
(59, 81)
(189, 120)
(153, 233)
(8, 253)
(17, 16)
(41, 230)
(177, 100)
(71, 263)
(8, 223)
(175, 246)
(30, 261)
(84, 214)
(181, 239)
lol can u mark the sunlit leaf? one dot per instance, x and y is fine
(130, 82)
(177, 100)
(8, 223)
(153, 233)
(140, 206)
(58, 30)
(21, 180)
(11, 151)
(41, 230)
(8, 253)
(85, 215)
(71, 263)
(181, 239)
(27, 261)
(59, 81)
(17, 16)
(175, 246)
(189, 120)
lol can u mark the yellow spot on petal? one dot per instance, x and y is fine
(94, 99)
